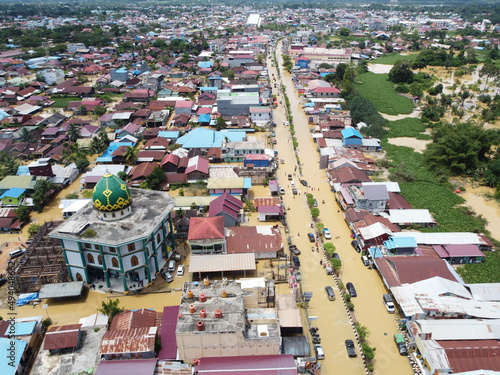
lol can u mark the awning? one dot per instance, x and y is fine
(58, 290)
(222, 262)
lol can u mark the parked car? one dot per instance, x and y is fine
(400, 342)
(292, 184)
(303, 182)
(17, 253)
(351, 289)
(180, 270)
(315, 203)
(294, 250)
(282, 190)
(171, 266)
(311, 237)
(290, 178)
(336, 256)
(167, 276)
(327, 234)
(351, 349)
(320, 354)
(296, 261)
(295, 191)
(389, 304)
(354, 244)
(330, 293)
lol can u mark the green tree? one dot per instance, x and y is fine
(220, 123)
(155, 179)
(99, 110)
(34, 229)
(73, 132)
(26, 135)
(110, 308)
(8, 164)
(401, 72)
(130, 155)
(315, 212)
(460, 149)
(343, 31)
(368, 351)
(96, 145)
(81, 164)
(42, 193)
(23, 213)
(363, 331)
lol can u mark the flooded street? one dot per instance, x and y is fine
(333, 322)
(479, 198)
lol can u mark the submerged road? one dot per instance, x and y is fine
(332, 318)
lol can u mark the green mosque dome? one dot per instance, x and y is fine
(111, 194)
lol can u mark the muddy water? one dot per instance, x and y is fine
(477, 197)
(419, 145)
(333, 322)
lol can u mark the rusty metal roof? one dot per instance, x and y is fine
(129, 319)
(135, 340)
(62, 337)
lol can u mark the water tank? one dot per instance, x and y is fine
(218, 313)
(190, 294)
(206, 281)
(200, 326)
(202, 297)
(224, 293)
(192, 309)
(203, 313)
(224, 281)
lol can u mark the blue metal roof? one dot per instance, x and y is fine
(13, 193)
(205, 64)
(7, 358)
(350, 132)
(22, 328)
(206, 138)
(22, 170)
(209, 88)
(247, 182)
(400, 242)
(204, 118)
(171, 134)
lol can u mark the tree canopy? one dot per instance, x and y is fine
(460, 149)
(401, 72)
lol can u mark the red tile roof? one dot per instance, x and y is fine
(202, 228)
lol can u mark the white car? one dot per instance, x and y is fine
(292, 184)
(327, 234)
(180, 270)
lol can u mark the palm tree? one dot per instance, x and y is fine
(97, 145)
(26, 135)
(73, 132)
(130, 156)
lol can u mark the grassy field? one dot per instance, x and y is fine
(391, 58)
(380, 91)
(63, 102)
(408, 127)
(425, 191)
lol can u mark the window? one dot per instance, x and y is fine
(99, 259)
(112, 249)
(158, 238)
(87, 245)
(134, 261)
(90, 258)
(79, 276)
(114, 262)
(131, 246)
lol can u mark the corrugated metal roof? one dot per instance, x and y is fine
(124, 367)
(485, 292)
(62, 337)
(222, 262)
(136, 340)
(167, 335)
(58, 290)
(257, 364)
(472, 355)
(461, 329)
(5, 361)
